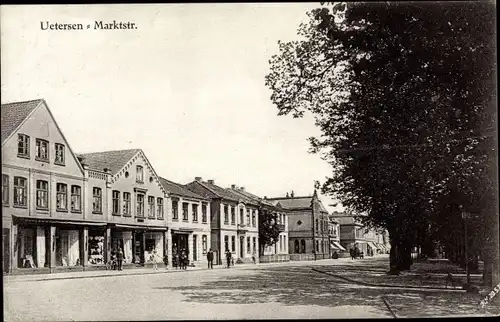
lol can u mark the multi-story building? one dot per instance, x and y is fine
(189, 222)
(307, 227)
(353, 233)
(44, 214)
(124, 191)
(280, 247)
(334, 234)
(234, 221)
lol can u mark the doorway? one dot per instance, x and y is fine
(242, 243)
(6, 249)
(138, 248)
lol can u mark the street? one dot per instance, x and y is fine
(291, 290)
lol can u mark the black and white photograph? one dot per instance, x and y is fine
(249, 161)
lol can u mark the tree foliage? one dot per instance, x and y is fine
(268, 228)
(403, 94)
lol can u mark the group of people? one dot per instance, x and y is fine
(117, 259)
(181, 259)
(356, 253)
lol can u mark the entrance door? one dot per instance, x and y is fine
(6, 249)
(138, 248)
(242, 243)
(195, 244)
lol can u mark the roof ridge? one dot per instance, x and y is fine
(19, 102)
(109, 151)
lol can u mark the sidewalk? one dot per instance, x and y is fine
(149, 271)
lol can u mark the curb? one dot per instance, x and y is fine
(388, 285)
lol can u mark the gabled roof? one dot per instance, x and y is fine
(214, 191)
(178, 189)
(296, 202)
(14, 115)
(112, 160)
(245, 197)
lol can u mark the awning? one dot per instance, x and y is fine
(372, 245)
(140, 227)
(360, 242)
(339, 246)
(32, 220)
(333, 246)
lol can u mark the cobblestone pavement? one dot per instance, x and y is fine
(269, 291)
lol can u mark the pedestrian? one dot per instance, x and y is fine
(184, 259)
(351, 252)
(154, 258)
(253, 258)
(210, 259)
(228, 258)
(177, 260)
(119, 258)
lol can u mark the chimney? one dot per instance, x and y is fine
(242, 188)
(211, 181)
(233, 186)
(265, 197)
(197, 179)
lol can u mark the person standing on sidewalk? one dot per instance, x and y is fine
(119, 258)
(155, 260)
(210, 258)
(228, 258)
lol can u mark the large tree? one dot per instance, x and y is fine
(404, 96)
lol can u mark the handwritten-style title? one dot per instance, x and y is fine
(97, 25)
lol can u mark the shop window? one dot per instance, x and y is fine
(151, 206)
(204, 243)
(20, 191)
(226, 243)
(126, 203)
(296, 246)
(226, 215)
(97, 200)
(26, 247)
(96, 248)
(76, 198)
(67, 248)
(140, 174)
(59, 154)
(23, 146)
(140, 205)
(254, 241)
(195, 212)
(42, 194)
(204, 213)
(248, 245)
(253, 219)
(150, 245)
(185, 211)
(233, 243)
(233, 215)
(61, 196)
(5, 189)
(175, 209)
(115, 209)
(302, 246)
(159, 202)
(42, 150)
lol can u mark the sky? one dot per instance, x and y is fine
(186, 86)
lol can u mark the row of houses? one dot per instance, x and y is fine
(67, 211)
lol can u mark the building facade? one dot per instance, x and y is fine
(189, 222)
(334, 237)
(307, 227)
(234, 221)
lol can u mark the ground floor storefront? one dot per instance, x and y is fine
(33, 246)
(193, 243)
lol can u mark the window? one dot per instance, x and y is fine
(233, 215)
(42, 150)
(254, 244)
(126, 203)
(226, 215)
(302, 246)
(151, 206)
(204, 213)
(96, 200)
(204, 243)
(23, 145)
(242, 221)
(317, 225)
(233, 243)
(175, 209)
(116, 202)
(140, 205)
(248, 217)
(20, 191)
(59, 154)
(185, 211)
(76, 198)
(140, 174)
(248, 245)
(61, 196)
(159, 202)
(253, 218)
(42, 194)
(317, 245)
(5, 189)
(322, 225)
(195, 212)
(226, 243)
(296, 246)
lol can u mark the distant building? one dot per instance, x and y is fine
(353, 233)
(334, 236)
(307, 227)
(234, 221)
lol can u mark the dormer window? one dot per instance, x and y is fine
(23, 146)
(59, 154)
(140, 174)
(42, 150)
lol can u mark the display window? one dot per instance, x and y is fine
(96, 248)
(68, 247)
